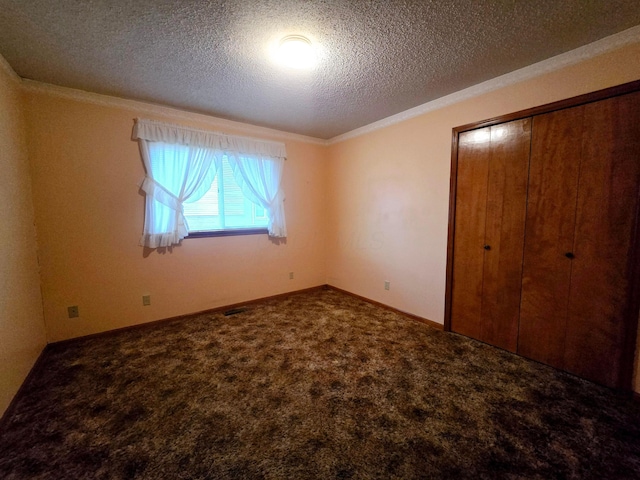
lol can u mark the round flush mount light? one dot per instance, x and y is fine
(296, 51)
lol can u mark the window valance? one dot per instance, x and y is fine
(154, 131)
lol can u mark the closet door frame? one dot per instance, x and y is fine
(631, 321)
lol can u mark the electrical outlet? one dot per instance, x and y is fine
(73, 311)
(290, 275)
(146, 300)
(387, 285)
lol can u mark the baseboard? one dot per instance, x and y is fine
(37, 366)
(417, 318)
(178, 317)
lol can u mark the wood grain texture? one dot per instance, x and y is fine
(506, 210)
(471, 201)
(490, 211)
(580, 292)
(553, 184)
(607, 208)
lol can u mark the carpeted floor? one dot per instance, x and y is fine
(318, 385)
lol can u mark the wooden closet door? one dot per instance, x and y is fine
(489, 229)
(578, 289)
(600, 299)
(504, 232)
(550, 225)
(470, 219)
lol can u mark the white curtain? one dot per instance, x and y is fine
(259, 179)
(181, 164)
(175, 174)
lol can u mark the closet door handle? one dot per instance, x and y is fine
(487, 247)
(569, 255)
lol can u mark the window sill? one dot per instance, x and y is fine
(227, 233)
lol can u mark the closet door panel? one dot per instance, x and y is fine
(471, 200)
(504, 235)
(604, 240)
(550, 224)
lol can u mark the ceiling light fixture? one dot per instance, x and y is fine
(296, 51)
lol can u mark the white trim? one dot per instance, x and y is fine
(607, 44)
(11, 73)
(170, 113)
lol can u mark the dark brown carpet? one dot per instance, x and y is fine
(319, 385)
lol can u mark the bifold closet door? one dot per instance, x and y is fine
(492, 168)
(601, 299)
(580, 250)
(550, 228)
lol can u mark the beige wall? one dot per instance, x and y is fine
(89, 214)
(22, 333)
(389, 189)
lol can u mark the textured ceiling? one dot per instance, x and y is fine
(377, 57)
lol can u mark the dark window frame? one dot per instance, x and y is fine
(230, 232)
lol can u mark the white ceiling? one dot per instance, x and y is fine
(377, 58)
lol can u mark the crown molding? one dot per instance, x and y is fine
(11, 73)
(168, 113)
(599, 47)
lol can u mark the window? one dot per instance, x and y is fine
(224, 207)
(201, 182)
